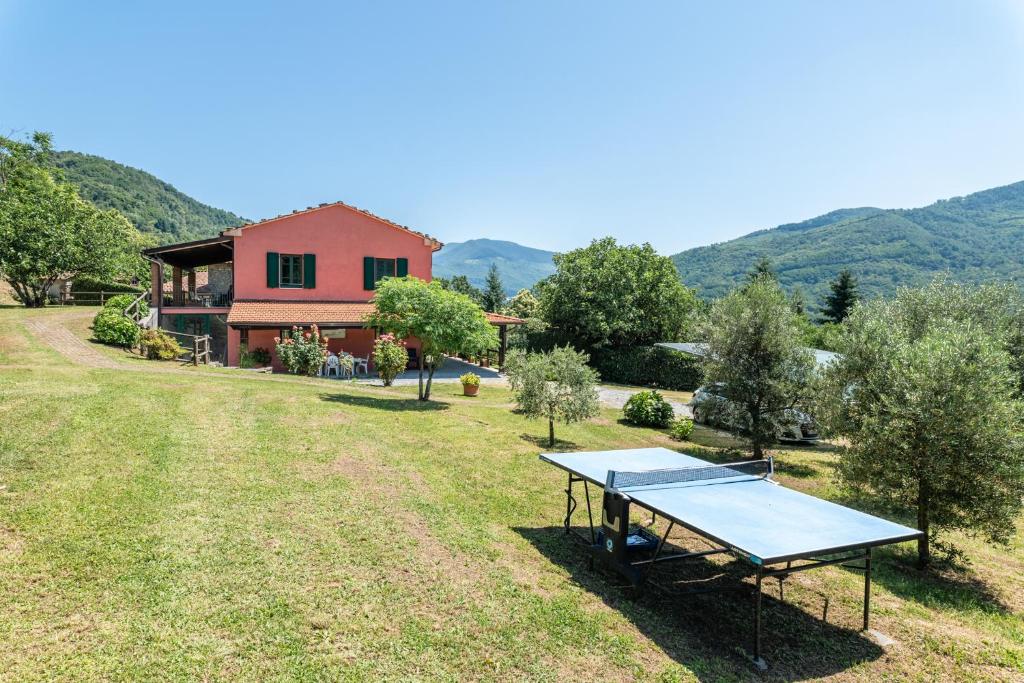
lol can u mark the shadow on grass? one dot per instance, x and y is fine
(384, 403)
(711, 634)
(541, 442)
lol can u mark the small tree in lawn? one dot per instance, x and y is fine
(390, 357)
(755, 354)
(925, 394)
(444, 322)
(557, 385)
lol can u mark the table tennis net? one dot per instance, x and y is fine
(760, 469)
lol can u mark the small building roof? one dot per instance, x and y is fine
(323, 313)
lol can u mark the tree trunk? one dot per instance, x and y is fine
(755, 435)
(420, 396)
(430, 378)
(551, 433)
(923, 551)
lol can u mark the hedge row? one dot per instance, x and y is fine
(650, 366)
(83, 284)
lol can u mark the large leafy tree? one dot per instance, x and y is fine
(557, 385)
(48, 232)
(610, 296)
(493, 298)
(925, 396)
(444, 322)
(756, 355)
(841, 298)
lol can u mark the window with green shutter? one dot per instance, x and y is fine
(291, 270)
(369, 281)
(401, 267)
(309, 271)
(272, 268)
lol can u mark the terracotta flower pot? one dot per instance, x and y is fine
(470, 389)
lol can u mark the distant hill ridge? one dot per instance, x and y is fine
(974, 238)
(520, 267)
(155, 207)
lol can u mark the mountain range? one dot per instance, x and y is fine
(519, 267)
(974, 238)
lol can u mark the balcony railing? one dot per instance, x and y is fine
(200, 300)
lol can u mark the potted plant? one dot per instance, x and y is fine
(470, 383)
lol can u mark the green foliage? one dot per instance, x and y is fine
(444, 322)
(460, 284)
(88, 284)
(557, 385)
(158, 345)
(48, 232)
(521, 267)
(470, 379)
(841, 299)
(302, 352)
(111, 326)
(493, 296)
(256, 358)
(755, 352)
(975, 238)
(762, 270)
(611, 296)
(122, 301)
(681, 429)
(822, 336)
(526, 306)
(154, 207)
(648, 366)
(648, 409)
(925, 394)
(390, 357)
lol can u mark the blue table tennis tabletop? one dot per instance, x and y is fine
(756, 517)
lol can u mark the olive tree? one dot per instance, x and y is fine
(557, 385)
(754, 353)
(48, 232)
(444, 322)
(926, 398)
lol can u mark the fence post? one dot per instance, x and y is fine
(195, 351)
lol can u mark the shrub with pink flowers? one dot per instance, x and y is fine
(390, 357)
(302, 352)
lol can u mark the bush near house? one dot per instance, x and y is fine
(389, 357)
(648, 409)
(257, 358)
(648, 366)
(112, 326)
(123, 301)
(303, 352)
(681, 429)
(158, 345)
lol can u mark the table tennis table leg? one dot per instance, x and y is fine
(758, 661)
(867, 588)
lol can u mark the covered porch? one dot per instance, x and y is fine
(188, 287)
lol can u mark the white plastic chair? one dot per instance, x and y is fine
(361, 365)
(333, 365)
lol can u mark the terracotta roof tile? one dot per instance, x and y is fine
(436, 243)
(319, 312)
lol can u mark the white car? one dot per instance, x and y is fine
(710, 407)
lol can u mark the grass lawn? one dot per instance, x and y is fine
(161, 522)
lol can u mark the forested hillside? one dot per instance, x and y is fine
(155, 207)
(520, 267)
(974, 238)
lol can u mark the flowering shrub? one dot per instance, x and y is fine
(111, 326)
(390, 357)
(158, 345)
(470, 379)
(302, 352)
(649, 409)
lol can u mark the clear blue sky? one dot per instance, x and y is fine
(548, 123)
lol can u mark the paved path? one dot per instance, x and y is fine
(52, 332)
(617, 397)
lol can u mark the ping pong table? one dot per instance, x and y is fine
(737, 507)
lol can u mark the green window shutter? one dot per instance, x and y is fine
(369, 281)
(309, 271)
(401, 267)
(273, 262)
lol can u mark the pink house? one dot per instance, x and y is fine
(319, 265)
